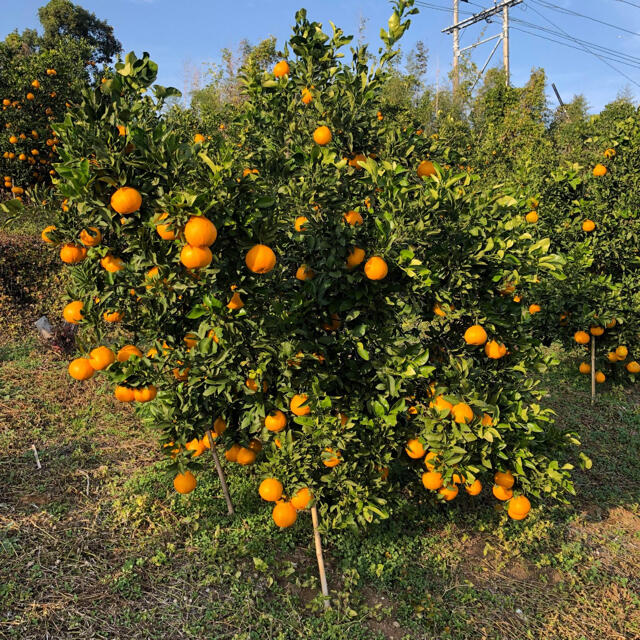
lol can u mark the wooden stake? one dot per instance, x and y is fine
(223, 481)
(35, 453)
(319, 557)
(593, 369)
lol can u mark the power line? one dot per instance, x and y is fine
(586, 49)
(582, 15)
(633, 4)
(566, 44)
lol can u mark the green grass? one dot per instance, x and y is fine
(97, 544)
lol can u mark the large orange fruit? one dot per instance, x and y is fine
(376, 268)
(111, 263)
(426, 168)
(195, 257)
(582, 337)
(185, 482)
(504, 479)
(91, 237)
(475, 335)
(281, 69)
(322, 136)
(246, 456)
(519, 507)
(355, 257)
(462, 413)
(145, 394)
(301, 498)
(72, 253)
(124, 394)
(415, 449)
(73, 312)
(163, 230)
(296, 405)
(101, 357)
(432, 480)
(127, 352)
(275, 421)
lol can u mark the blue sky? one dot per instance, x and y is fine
(188, 33)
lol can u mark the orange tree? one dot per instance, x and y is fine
(309, 286)
(589, 212)
(36, 87)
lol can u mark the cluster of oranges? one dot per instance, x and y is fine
(619, 354)
(285, 512)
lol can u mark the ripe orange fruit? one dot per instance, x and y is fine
(622, 352)
(112, 316)
(437, 309)
(333, 460)
(355, 257)
(81, 369)
(301, 498)
(322, 136)
(534, 308)
(72, 253)
(255, 445)
(495, 350)
(504, 479)
(475, 335)
(415, 449)
(596, 331)
(231, 454)
(246, 456)
(474, 488)
(284, 514)
(296, 405)
(260, 259)
(532, 217)
(30, 96)
(126, 200)
(582, 337)
(612, 356)
(611, 324)
(101, 357)
(275, 421)
(600, 377)
(145, 394)
(487, 420)
(298, 225)
(200, 232)
(184, 482)
(73, 312)
(633, 367)
(588, 226)
(45, 231)
(124, 394)
(112, 264)
(195, 445)
(519, 507)
(271, 489)
(198, 138)
(585, 368)
(609, 153)
(304, 273)
(449, 493)
(432, 455)
(281, 69)
(440, 404)
(599, 170)
(426, 168)
(195, 257)
(91, 237)
(306, 96)
(163, 229)
(357, 159)
(432, 480)
(502, 493)
(236, 302)
(375, 268)
(462, 413)
(191, 340)
(353, 218)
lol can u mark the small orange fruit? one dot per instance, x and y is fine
(353, 218)
(298, 406)
(322, 136)
(333, 460)
(236, 302)
(246, 456)
(440, 404)
(81, 369)
(72, 253)
(184, 482)
(231, 454)
(432, 480)
(112, 316)
(355, 257)
(504, 479)
(73, 312)
(101, 357)
(284, 514)
(588, 226)
(304, 273)
(426, 168)
(163, 229)
(298, 225)
(275, 421)
(376, 268)
(91, 237)
(599, 170)
(475, 335)
(600, 377)
(195, 257)
(534, 308)
(474, 488)
(502, 493)
(124, 394)
(112, 264)
(281, 69)
(301, 498)
(585, 368)
(306, 96)
(582, 337)
(462, 413)
(596, 331)
(260, 259)
(449, 493)
(198, 138)
(622, 352)
(200, 232)
(633, 367)
(127, 352)
(271, 489)
(519, 507)
(415, 449)
(145, 394)
(495, 350)
(531, 217)
(45, 231)
(126, 200)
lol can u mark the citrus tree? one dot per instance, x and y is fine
(310, 287)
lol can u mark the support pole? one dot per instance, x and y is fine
(505, 42)
(223, 480)
(593, 369)
(456, 49)
(319, 557)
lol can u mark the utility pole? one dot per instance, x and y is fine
(505, 41)
(486, 15)
(456, 48)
